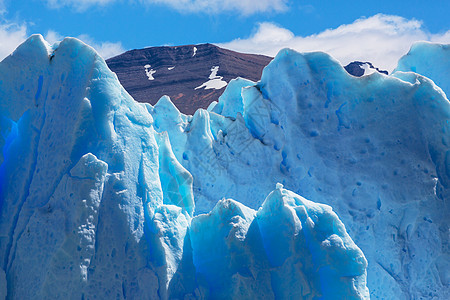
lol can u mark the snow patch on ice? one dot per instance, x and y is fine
(149, 72)
(214, 82)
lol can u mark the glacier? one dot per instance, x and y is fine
(94, 203)
(104, 197)
(374, 148)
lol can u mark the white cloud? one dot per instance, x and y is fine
(244, 7)
(380, 39)
(11, 36)
(52, 37)
(105, 49)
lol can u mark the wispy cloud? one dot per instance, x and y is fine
(79, 5)
(11, 36)
(105, 49)
(2, 7)
(243, 7)
(380, 39)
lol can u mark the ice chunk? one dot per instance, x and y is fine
(167, 231)
(217, 243)
(168, 118)
(297, 232)
(230, 103)
(291, 248)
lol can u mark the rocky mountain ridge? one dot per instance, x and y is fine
(192, 76)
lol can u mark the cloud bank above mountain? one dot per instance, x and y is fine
(13, 34)
(380, 39)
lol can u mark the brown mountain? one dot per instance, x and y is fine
(193, 75)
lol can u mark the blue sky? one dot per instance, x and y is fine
(380, 31)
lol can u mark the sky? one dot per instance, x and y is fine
(379, 31)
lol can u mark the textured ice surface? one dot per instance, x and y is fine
(95, 202)
(376, 148)
(2, 284)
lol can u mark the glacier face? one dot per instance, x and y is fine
(374, 148)
(100, 189)
(95, 202)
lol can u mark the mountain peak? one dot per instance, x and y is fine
(191, 75)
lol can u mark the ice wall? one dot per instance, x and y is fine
(376, 148)
(95, 203)
(85, 181)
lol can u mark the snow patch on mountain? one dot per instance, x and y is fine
(214, 82)
(149, 72)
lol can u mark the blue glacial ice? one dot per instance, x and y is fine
(93, 200)
(275, 252)
(103, 196)
(428, 59)
(376, 149)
